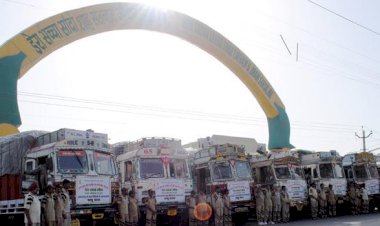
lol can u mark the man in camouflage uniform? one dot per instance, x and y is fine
(285, 203)
(358, 199)
(331, 198)
(352, 195)
(268, 206)
(259, 205)
(276, 201)
(313, 194)
(322, 201)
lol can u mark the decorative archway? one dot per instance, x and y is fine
(27, 48)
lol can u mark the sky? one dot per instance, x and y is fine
(133, 83)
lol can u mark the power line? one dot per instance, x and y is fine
(345, 18)
(178, 113)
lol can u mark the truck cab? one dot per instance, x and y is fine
(82, 157)
(360, 168)
(225, 166)
(160, 164)
(281, 168)
(325, 168)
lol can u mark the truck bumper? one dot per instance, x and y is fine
(89, 214)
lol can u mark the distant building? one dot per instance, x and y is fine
(250, 144)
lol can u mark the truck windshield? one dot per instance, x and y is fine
(104, 163)
(178, 168)
(297, 173)
(242, 169)
(221, 171)
(373, 171)
(282, 172)
(360, 172)
(151, 168)
(338, 170)
(326, 170)
(72, 161)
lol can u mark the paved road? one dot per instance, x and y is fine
(359, 220)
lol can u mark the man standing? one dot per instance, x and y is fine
(66, 203)
(322, 201)
(352, 195)
(151, 213)
(259, 205)
(285, 203)
(331, 198)
(123, 207)
(227, 209)
(268, 206)
(313, 194)
(48, 205)
(218, 206)
(364, 194)
(32, 206)
(58, 205)
(134, 212)
(191, 203)
(276, 205)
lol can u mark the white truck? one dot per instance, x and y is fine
(282, 168)
(160, 164)
(225, 166)
(82, 157)
(325, 168)
(360, 168)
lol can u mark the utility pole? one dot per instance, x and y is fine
(364, 137)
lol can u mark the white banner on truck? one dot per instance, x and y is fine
(92, 190)
(239, 190)
(170, 190)
(372, 186)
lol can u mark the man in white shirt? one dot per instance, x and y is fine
(32, 206)
(66, 203)
(364, 194)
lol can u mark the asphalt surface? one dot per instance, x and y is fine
(349, 220)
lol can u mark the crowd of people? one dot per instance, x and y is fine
(53, 209)
(272, 205)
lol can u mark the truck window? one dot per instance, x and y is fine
(242, 169)
(128, 170)
(373, 171)
(221, 171)
(178, 168)
(151, 168)
(72, 161)
(254, 175)
(266, 174)
(282, 172)
(315, 173)
(360, 172)
(104, 163)
(338, 170)
(326, 170)
(297, 173)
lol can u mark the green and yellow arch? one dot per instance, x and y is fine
(27, 48)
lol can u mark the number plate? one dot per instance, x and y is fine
(241, 209)
(75, 222)
(172, 212)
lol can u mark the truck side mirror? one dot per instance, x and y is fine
(30, 165)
